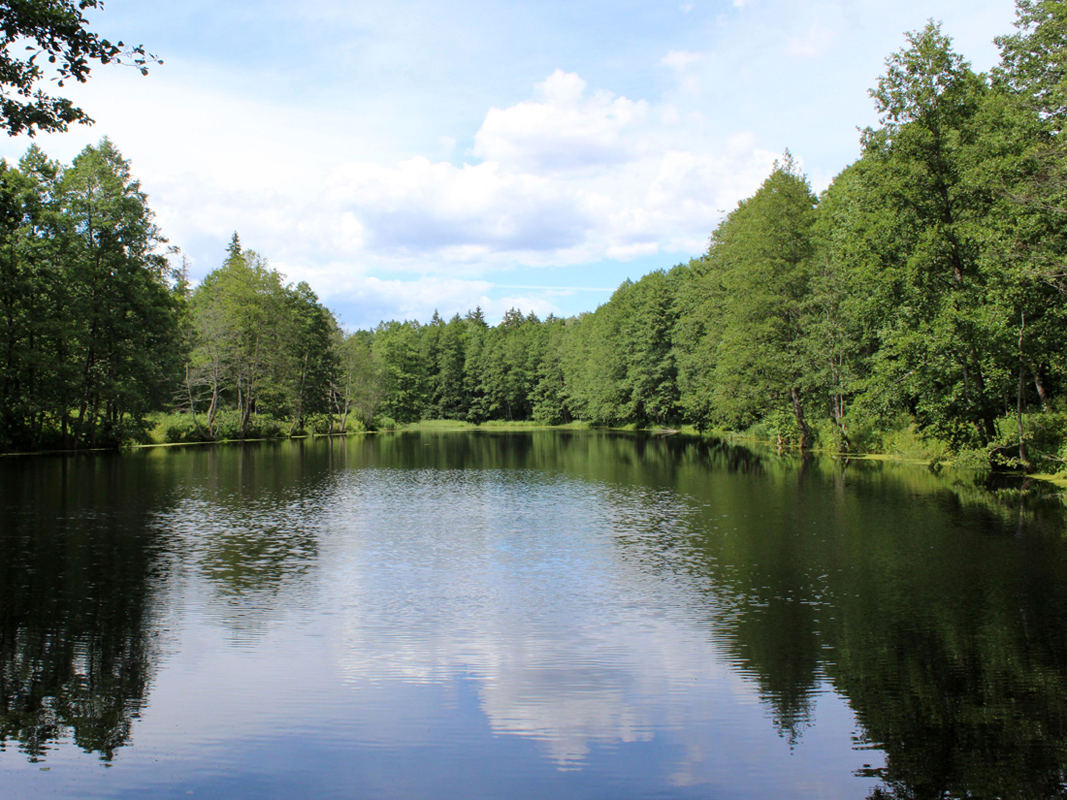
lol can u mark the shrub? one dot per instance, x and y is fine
(382, 423)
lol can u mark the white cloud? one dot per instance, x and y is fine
(680, 59)
(567, 130)
(682, 62)
(568, 177)
(817, 41)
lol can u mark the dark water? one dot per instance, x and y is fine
(523, 616)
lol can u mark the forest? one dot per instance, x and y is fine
(919, 301)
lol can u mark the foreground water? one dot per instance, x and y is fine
(525, 615)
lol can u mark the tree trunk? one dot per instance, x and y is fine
(798, 413)
(192, 405)
(1019, 397)
(299, 415)
(1040, 386)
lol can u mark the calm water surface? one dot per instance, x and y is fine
(575, 615)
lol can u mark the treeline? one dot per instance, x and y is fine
(99, 330)
(925, 289)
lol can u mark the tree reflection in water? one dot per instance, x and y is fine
(935, 604)
(78, 577)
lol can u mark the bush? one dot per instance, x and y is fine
(319, 424)
(779, 428)
(183, 430)
(179, 428)
(1045, 435)
(382, 423)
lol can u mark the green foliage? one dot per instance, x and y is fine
(358, 385)
(1044, 436)
(181, 428)
(1033, 64)
(756, 273)
(403, 371)
(264, 348)
(89, 308)
(383, 423)
(54, 31)
(549, 398)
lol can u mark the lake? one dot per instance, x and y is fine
(523, 615)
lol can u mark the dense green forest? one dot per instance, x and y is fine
(922, 296)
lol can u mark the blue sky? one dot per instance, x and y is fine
(406, 156)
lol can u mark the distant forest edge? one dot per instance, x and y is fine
(919, 302)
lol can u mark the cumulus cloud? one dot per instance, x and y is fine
(567, 177)
(419, 206)
(565, 130)
(361, 156)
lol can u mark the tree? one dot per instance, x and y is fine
(550, 402)
(839, 343)
(358, 384)
(124, 317)
(477, 332)
(695, 339)
(924, 217)
(449, 399)
(55, 31)
(403, 373)
(647, 320)
(240, 313)
(30, 303)
(509, 364)
(594, 368)
(1020, 154)
(762, 256)
(309, 364)
(1034, 59)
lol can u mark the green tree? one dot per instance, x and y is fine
(761, 255)
(593, 365)
(53, 31)
(477, 332)
(695, 338)
(403, 373)
(358, 386)
(1022, 155)
(549, 402)
(1033, 64)
(839, 343)
(31, 300)
(940, 353)
(310, 363)
(449, 399)
(647, 317)
(125, 340)
(240, 315)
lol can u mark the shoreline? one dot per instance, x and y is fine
(455, 426)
